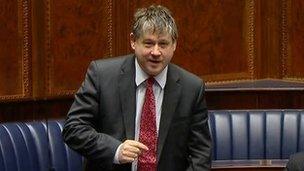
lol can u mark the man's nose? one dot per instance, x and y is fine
(155, 51)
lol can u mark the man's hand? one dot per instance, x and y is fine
(130, 150)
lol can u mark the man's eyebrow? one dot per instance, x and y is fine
(148, 40)
(164, 40)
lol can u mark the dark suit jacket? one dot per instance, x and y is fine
(103, 116)
(296, 162)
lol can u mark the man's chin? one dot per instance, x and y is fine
(154, 72)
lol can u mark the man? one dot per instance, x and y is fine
(140, 112)
(296, 162)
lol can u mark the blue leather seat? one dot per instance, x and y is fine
(26, 146)
(62, 157)
(23, 146)
(256, 134)
(236, 134)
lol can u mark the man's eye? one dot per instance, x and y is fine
(163, 45)
(148, 44)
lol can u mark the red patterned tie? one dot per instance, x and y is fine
(148, 134)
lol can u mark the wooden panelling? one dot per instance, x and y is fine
(269, 39)
(121, 24)
(135, 4)
(293, 39)
(34, 110)
(216, 39)
(15, 50)
(251, 99)
(46, 47)
(262, 99)
(76, 33)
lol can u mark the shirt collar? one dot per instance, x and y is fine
(141, 76)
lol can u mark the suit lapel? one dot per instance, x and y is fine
(171, 97)
(127, 91)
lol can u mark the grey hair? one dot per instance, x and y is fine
(154, 19)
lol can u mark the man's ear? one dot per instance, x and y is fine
(174, 45)
(132, 41)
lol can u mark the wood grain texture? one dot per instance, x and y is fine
(15, 50)
(255, 99)
(77, 32)
(38, 109)
(216, 39)
(46, 46)
(269, 39)
(293, 39)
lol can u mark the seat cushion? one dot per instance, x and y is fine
(256, 134)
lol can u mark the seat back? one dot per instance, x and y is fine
(23, 146)
(236, 134)
(62, 157)
(256, 134)
(26, 146)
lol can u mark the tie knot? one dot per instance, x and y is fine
(150, 81)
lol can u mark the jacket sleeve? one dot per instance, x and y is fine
(295, 162)
(199, 144)
(80, 131)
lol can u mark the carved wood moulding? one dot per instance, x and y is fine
(24, 32)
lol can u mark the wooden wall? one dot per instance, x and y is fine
(249, 52)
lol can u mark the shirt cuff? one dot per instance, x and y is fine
(116, 161)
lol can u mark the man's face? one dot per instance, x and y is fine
(153, 51)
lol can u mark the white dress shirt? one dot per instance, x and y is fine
(158, 90)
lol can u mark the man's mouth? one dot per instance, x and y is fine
(154, 61)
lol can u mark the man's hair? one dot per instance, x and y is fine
(154, 19)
